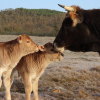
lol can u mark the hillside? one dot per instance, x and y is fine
(40, 22)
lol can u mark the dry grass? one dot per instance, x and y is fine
(65, 83)
(72, 84)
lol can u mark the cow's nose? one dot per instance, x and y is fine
(37, 48)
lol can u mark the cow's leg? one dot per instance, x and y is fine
(6, 80)
(35, 89)
(12, 76)
(0, 77)
(28, 85)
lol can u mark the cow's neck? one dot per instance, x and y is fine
(42, 59)
(13, 51)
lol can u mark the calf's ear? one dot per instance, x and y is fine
(19, 39)
(41, 48)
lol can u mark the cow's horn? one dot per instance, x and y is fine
(61, 5)
(67, 8)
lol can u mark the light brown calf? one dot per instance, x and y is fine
(32, 66)
(10, 54)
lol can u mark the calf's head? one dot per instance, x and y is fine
(51, 54)
(26, 45)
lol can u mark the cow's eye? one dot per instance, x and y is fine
(28, 41)
(68, 21)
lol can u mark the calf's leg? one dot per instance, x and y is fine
(6, 80)
(35, 89)
(12, 75)
(28, 85)
(0, 77)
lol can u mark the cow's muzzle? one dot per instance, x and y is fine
(56, 48)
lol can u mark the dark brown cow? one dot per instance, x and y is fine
(80, 30)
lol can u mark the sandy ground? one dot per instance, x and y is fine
(76, 60)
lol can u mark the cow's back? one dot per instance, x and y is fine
(32, 63)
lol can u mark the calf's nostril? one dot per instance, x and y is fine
(37, 48)
(62, 54)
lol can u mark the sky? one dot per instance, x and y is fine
(48, 4)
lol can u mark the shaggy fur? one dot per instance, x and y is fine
(80, 31)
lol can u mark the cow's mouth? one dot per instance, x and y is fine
(62, 55)
(60, 49)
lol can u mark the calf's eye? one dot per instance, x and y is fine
(28, 41)
(54, 51)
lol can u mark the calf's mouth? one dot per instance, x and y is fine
(62, 54)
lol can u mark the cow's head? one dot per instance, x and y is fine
(72, 30)
(51, 54)
(26, 45)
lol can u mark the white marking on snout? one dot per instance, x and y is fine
(61, 49)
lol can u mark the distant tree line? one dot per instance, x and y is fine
(40, 22)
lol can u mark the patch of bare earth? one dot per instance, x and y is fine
(76, 77)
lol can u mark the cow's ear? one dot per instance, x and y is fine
(19, 39)
(41, 48)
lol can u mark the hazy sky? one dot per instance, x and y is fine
(48, 4)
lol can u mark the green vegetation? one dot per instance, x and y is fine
(40, 22)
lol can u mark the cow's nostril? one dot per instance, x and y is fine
(37, 46)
